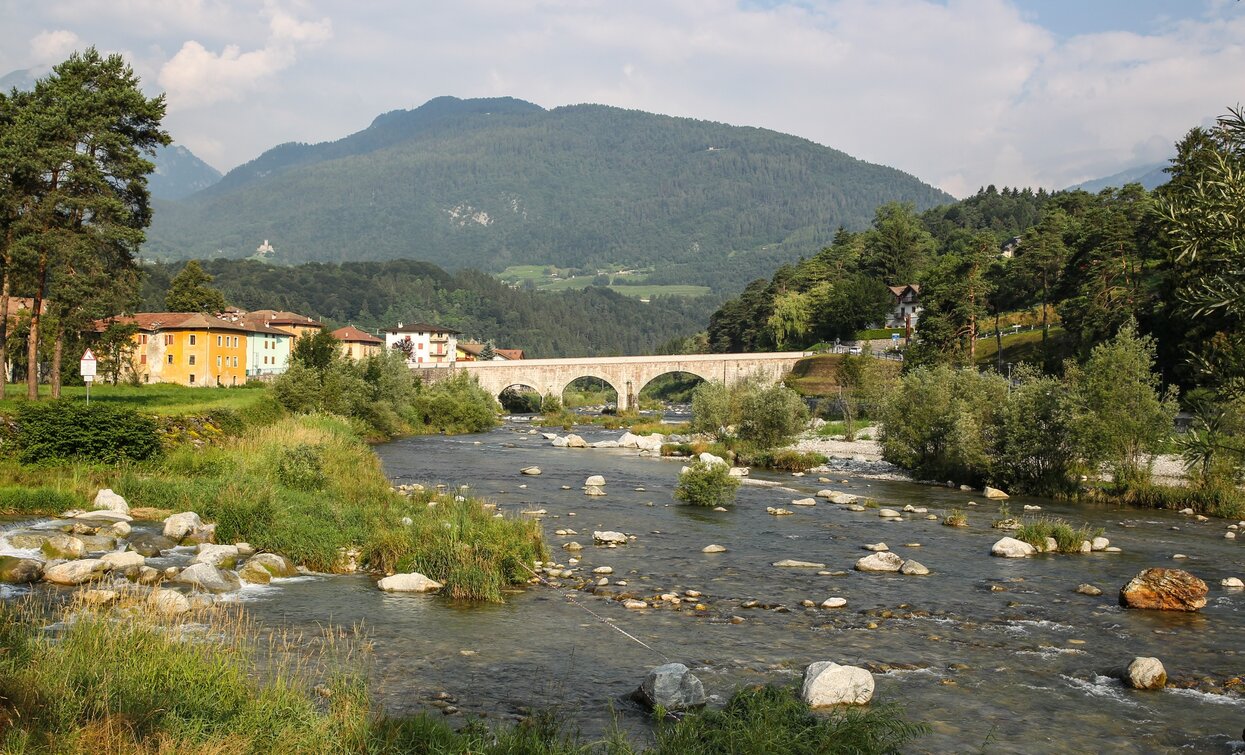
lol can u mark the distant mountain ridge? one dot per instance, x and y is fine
(179, 173)
(491, 183)
(1150, 175)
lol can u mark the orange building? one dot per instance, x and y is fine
(292, 322)
(357, 344)
(188, 348)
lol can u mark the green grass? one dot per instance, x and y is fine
(644, 291)
(1227, 504)
(879, 333)
(1068, 539)
(1025, 346)
(162, 399)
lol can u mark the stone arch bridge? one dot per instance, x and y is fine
(627, 375)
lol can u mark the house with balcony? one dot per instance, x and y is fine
(424, 343)
(907, 307)
(358, 344)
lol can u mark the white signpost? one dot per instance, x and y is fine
(87, 368)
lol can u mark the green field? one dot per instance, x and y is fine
(648, 292)
(627, 284)
(161, 398)
(1020, 347)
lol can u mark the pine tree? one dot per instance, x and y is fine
(190, 292)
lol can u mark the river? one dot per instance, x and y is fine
(995, 653)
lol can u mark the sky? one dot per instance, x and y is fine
(960, 93)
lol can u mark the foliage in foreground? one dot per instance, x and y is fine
(1067, 538)
(705, 484)
(128, 680)
(64, 430)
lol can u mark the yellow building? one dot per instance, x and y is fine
(292, 322)
(357, 344)
(188, 348)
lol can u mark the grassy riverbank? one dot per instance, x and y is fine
(125, 679)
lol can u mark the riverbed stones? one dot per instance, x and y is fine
(20, 571)
(913, 568)
(1099, 543)
(409, 582)
(889, 514)
(169, 602)
(1232, 583)
(28, 540)
(994, 494)
(64, 546)
(778, 511)
(1164, 590)
(1146, 673)
(178, 526)
(876, 547)
(880, 562)
(712, 460)
(713, 548)
(98, 598)
(608, 537)
(220, 556)
(1010, 547)
(255, 574)
(574, 441)
(122, 560)
(150, 544)
(671, 687)
(835, 496)
(790, 563)
(739, 471)
(603, 570)
(827, 683)
(594, 490)
(530, 471)
(595, 480)
(74, 572)
(1088, 589)
(804, 502)
(834, 602)
(209, 578)
(572, 546)
(634, 605)
(275, 564)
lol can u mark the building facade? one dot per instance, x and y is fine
(424, 343)
(188, 348)
(358, 344)
(907, 309)
(268, 350)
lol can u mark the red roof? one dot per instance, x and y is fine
(421, 327)
(509, 353)
(351, 334)
(900, 290)
(276, 317)
(153, 321)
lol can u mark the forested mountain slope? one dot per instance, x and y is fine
(493, 183)
(589, 322)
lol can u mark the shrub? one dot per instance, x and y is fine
(1038, 448)
(771, 417)
(956, 518)
(455, 405)
(23, 500)
(1068, 539)
(705, 484)
(65, 429)
(301, 468)
(786, 460)
(520, 401)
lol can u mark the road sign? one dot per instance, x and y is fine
(87, 366)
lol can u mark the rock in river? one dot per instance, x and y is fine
(595, 480)
(606, 537)
(531, 471)
(1164, 590)
(827, 683)
(788, 563)
(169, 602)
(913, 568)
(179, 526)
(220, 556)
(412, 582)
(209, 579)
(672, 687)
(64, 546)
(106, 499)
(713, 548)
(1010, 547)
(880, 562)
(1146, 673)
(19, 571)
(276, 565)
(804, 502)
(75, 572)
(995, 494)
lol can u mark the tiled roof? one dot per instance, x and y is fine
(277, 317)
(510, 353)
(351, 334)
(174, 321)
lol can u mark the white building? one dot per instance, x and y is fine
(423, 343)
(907, 306)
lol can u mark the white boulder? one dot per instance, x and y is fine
(804, 502)
(1146, 673)
(607, 537)
(712, 460)
(880, 562)
(75, 572)
(1010, 547)
(995, 494)
(595, 480)
(179, 526)
(169, 602)
(209, 578)
(412, 582)
(122, 560)
(790, 563)
(106, 499)
(220, 556)
(827, 683)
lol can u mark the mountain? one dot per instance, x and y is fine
(178, 172)
(1151, 176)
(493, 183)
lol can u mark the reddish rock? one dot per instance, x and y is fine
(1164, 590)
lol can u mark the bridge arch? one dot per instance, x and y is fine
(641, 388)
(612, 382)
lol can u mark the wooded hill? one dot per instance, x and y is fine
(589, 322)
(489, 183)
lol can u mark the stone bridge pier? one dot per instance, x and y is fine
(626, 375)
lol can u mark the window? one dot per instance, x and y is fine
(142, 359)
(192, 339)
(218, 361)
(170, 359)
(218, 340)
(192, 359)
(421, 346)
(192, 378)
(143, 339)
(235, 345)
(235, 360)
(168, 339)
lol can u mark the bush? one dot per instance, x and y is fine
(1068, 539)
(518, 401)
(765, 417)
(786, 460)
(66, 429)
(706, 484)
(301, 468)
(1038, 447)
(455, 405)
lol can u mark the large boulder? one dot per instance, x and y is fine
(994, 494)
(169, 602)
(530, 471)
(628, 440)
(209, 579)
(64, 546)
(254, 573)
(884, 561)
(412, 582)
(1146, 673)
(574, 441)
(122, 560)
(150, 544)
(20, 571)
(651, 443)
(608, 537)
(671, 687)
(275, 565)
(712, 460)
(106, 499)
(1164, 590)
(98, 542)
(914, 568)
(595, 480)
(827, 683)
(75, 572)
(835, 496)
(28, 540)
(220, 556)
(1010, 547)
(179, 526)
(102, 516)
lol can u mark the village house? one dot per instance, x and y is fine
(424, 343)
(357, 344)
(297, 325)
(469, 351)
(907, 306)
(268, 349)
(188, 348)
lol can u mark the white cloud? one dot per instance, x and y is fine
(196, 77)
(51, 47)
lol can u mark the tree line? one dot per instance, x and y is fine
(74, 203)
